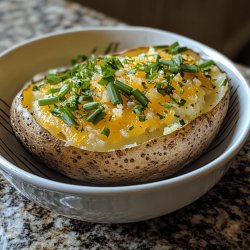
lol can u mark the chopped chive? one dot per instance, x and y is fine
(62, 99)
(67, 116)
(99, 117)
(53, 79)
(173, 45)
(85, 85)
(157, 57)
(224, 83)
(182, 122)
(87, 92)
(206, 64)
(182, 102)
(138, 109)
(83, 115)
(35, 88)
(169, 63)
(128, 60)
(91, 105)
(169, 78)
(143, 85)
(181, 91)
(174, 69)
(142, 118)
(182, 49)
(175, 48)
(114, 95)
(174, 51)
(85, 98)
(108, 49)
(63, 91)
(55, 112)
(92, 117)
(177, 59)
(181, 84)
(66, 119)
(159, 84)
(131, 127)
(48, 101)
(68, 111)
(103, 82)
(189, 68)
(106, 131)
(140, 97)
(167, 105)
(78, 59)
(123, 87)
(162, 91)
(151, 77)
(53, 90)
(73, 102)
(161, 116)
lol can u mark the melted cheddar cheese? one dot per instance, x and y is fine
(190, 95)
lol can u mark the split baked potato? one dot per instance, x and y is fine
(133, 117)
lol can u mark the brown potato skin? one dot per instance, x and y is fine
(151, 161)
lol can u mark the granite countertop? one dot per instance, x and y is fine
(218, 220)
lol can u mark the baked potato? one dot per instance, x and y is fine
(133, 117)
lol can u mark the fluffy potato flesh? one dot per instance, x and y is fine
(128, 118)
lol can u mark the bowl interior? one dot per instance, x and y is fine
(21, 63)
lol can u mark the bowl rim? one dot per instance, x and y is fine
(95, 190)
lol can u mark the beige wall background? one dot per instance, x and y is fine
(223, 24)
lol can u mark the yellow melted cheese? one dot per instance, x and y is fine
(125, 128)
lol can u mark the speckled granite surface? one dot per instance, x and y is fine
(219, 220)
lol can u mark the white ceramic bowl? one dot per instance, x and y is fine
(112, 204)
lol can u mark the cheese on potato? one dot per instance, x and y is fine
(176, 87)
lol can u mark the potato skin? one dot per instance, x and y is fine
(151, 161)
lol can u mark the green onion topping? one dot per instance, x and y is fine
(140, 97)
(190, 68)
(142, 118)
(161, 116)
(94, 115)
(138, 109)
(67, 116)
(131, 127)
(63, 91)
(53, 91)
(85, 98)
(53, 79)
(48, 101)
(182, 122)
(224, 82)
(123, 87)
(167, 105)
(114, 95)
(206, 64)
(106, 131)
(90, 105)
